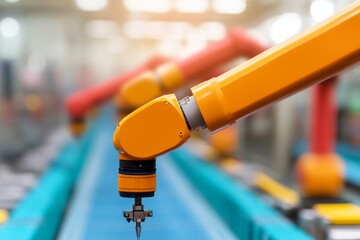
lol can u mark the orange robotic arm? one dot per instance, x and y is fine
(170, 76)
(285, 69)
(165, 123)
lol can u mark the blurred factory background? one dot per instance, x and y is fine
(50, 49)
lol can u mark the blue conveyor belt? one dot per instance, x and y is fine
(38, 215)
(96, 210)
(246, 214)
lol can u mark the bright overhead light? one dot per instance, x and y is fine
(152, 6)
(321, 9)
(169, 47)
(101, 28)
(133, 29)
(9, 27)
(137, 29)
(116, 45)
(91, 5)
(214, 30)
(195, 41)
(11, 1)
(177, 30)
(229, 6)
(191, 6)
(285, 26)
(156, 29)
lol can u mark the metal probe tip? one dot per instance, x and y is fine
(138, 230)
(137, 215)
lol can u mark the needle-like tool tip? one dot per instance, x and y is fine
(138, 230)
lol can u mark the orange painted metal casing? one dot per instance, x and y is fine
(149, 85)
(161, 119)
(137, 183)
(172, 75)
(300, 62)
(285, 69)
(320, 175)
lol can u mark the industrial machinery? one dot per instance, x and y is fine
(322, 145)
(80, 103)
(165, 123)
(158, 76)
(170, 76)
(167, 77)
(332, 221)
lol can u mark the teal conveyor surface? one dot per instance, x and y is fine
(96, 209)
(245, 214)
(194, 199)
(38, 215)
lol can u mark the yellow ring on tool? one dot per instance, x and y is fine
(137, 183)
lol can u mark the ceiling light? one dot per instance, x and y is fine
(101, 28)
(177, 30)
(9, 27)
(285, 26)
(169, 47)
(156, 29)
(91, 5)
(214, 30)
(116, 45)
(154, 6)
(321, 9)
(134, 29)
(190, 6)
(229, 6)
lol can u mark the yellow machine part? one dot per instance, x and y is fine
(285, 69)
(77, 128)
(226, 140)
(339, 214)
(164, 122)
(4, 216)
(137, 183)
(170, 76)
(313, 170)
(139, 91)
(276, 190)
(149, 85)
(230, 165)
(33, 102)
